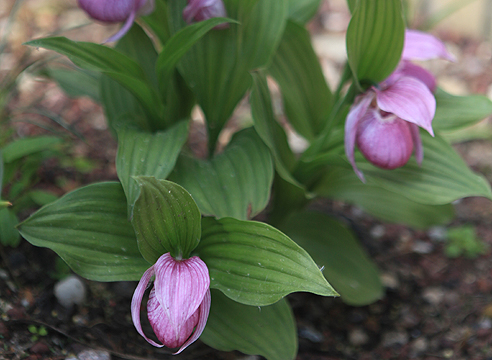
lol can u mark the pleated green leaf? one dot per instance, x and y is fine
(269, 331)
(217, 67)
(147, 154)
(166, 219)
(158, 21)
(137, 45)
(345, 263)
(270, 131)
(235, 183)
(443, 177)
(91, 56)
(9, 236)
(342, 184)
(296, 68)
(20, 148)
(302, 11)
(352, 4)
(255, 264)
(457, 112)
(89, 229)
(375, 39)
(120, 105)
(76, 82)
(146, 96)
(178, 45)
(116, 65)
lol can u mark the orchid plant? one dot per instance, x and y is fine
(190, 223)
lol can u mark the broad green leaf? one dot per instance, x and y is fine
(375, 39)
(176, 96)
(288, 197)
(137, 45)
(344, 262)
(76, 82)
(89, 229)
(352, 4)
(121, 107)
(479, 131)
(302, 11)
(267, 127)
(255, 264)
(147, 154)
(158, 21)
(41, 198)
(443, 177)
(147, 97)
(217, 67)
(269, 331)
(116, 65)
(235, 183)
(91, 56)
(166, 219)
(456, 112)
(296, 68)
(27, 146)
(9, 236)
(342, 184)
(178, 45)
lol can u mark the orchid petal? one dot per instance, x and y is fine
(355, 114)
(384, 142)
(162, 326)
(200, 10)
(410, 100)
(417, 143)
(145, 7)
(190, 11)
(180, 286)
(418, 72)
(137, 300)
(204, 310)
(423, 46)
(108, 11)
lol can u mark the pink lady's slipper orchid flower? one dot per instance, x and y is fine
(113, 11)
(384, 121)
(179, 302)
(199, 10)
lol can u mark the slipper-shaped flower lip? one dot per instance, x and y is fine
(384, 121)
(179, 302)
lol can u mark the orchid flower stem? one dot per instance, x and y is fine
(346, 76)
(318, 145)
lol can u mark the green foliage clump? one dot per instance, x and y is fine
(464, 241)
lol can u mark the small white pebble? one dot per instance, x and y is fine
(378, 231)
(94, 355)
(422, 247)
(70, 291)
